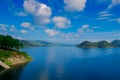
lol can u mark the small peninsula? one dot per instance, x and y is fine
(9, 52)
(100, 44)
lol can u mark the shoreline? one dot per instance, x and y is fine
(13, 58)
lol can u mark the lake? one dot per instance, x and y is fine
(67, 63)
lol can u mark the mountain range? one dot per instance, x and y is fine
(100, 44)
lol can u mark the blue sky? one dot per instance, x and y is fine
(62, 21)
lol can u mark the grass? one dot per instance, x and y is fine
(25, 55)
(4, 54)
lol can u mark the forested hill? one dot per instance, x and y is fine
(100, 44)
(7, 42)
(9, 52)
(14, 43)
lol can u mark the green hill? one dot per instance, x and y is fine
(100, 44)
(9, 51)
(116, 43)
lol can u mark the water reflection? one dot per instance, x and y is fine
(68, 63)
(12, 74)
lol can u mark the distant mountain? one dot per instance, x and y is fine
(40, 43)
(104, 44)
(28, 43)
(100, 44)
(116, 43)
(87, 44)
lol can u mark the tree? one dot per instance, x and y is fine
(17, 44)
(7, 42)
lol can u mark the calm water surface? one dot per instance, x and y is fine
(67, 63)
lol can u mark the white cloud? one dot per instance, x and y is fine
(26, 24)
(117, 20)
(75, 5)
(20, 14)
(51, 32)
(114, 3)
(61, 22)
(12, 28)
(41, 20)
(85, 28)
(105, 14)
(101, 18)
(40, 11)
(19, 38)
(23, 31)
(3, 27)
(76, 35)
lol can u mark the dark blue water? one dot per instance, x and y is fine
(68, 63)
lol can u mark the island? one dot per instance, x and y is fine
(10, 54)
(99, 44)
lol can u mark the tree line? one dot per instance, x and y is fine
(9, 43)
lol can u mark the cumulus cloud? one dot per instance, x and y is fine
(85, 28)
(75, 5)
(40, 11)
(61, 22)
(23, 31)
(114, 3)
(41, 20)
(26, 24)
(51, 32)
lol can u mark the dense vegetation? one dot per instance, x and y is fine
(8, 43)
(9, 51)
(100, 44)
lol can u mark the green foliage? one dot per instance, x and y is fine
(7, 52)
(26, 56)
(7, 42)
(7, 62)
(4, 54)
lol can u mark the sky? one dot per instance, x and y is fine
(61, 21)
